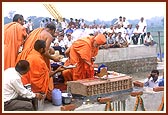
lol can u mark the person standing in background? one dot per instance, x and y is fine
(14, 36)
(142, 28)
(30, 25)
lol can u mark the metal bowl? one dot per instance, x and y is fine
(66, 98)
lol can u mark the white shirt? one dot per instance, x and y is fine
(60, 43)
(142, 25)
(148, 39)
(30, 25)
(125, 24)
(151, 83)
(122, 30)
(130, 31)
(118, 22)
(42, 24)
(82, 24)
(13, 86)
(136, 31)
(68, 43)
(64, 24)
(25, 25)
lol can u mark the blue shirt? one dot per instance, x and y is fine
(161, 82)
(69, 31)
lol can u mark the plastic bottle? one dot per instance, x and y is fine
(56, 97)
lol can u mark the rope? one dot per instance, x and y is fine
(136, 104)
(108, 106)
(161, 107)
(139, 101)
(142, 104)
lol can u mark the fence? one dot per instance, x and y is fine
(158, 36)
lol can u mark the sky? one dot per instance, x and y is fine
(89, 10)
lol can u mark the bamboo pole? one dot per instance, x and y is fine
(160, 52)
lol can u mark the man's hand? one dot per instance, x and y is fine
(40, 96)
(93, 59)
(149, 76)
(60, 69)
(51, 51)
(57, 58)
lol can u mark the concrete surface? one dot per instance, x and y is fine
(151, 99)
(123, 102)
(131, 52)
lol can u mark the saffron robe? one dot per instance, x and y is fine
(81, 50)
(38, 75)
(29, 46)
(14, 34)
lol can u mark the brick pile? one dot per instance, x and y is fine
(90, 87)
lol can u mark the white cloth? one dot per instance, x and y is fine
(13, 86)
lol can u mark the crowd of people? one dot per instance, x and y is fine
(120, 34)
(28, 53)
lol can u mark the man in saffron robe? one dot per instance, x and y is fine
(14, 35)
(45, 34)
(81, 53)
(39, 73)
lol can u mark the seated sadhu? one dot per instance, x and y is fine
(47, 35)
(81, 53)
(39, 73)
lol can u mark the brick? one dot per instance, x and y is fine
(138, 84)
(70, 107)
(156, 89)
(136, 93)
(90, 87)
(104, 100)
